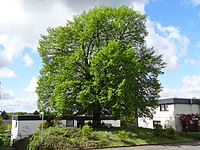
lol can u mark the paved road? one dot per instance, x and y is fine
(180, 146)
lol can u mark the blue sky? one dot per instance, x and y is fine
(173, 28)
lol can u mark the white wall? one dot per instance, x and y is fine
(26, 128)
(14, 130)
(169, 118)
(114, 123)
(165, 117)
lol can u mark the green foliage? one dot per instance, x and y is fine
(170, 132)
(73, 138)
(86, 131)
(158, 129)
(127, 121)
(49, 123)
(98, 64)
(63, 137)
(4, 141)
(122, 135)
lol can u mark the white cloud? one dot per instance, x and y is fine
(139, 5)
(195, 2)
(11, 103)
(32, 85)
(27, 104)
(12, 49)
(6, 94)
(167, 41)
(7, 73)
(28, 61)
(190, 88)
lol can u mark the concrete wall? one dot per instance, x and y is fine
(184, 109)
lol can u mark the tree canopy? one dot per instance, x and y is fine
(99, 64)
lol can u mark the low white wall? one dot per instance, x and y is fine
(14, 130)
(27, 128)
(114, 123)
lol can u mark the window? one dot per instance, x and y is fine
(69, 123)
(16, 124)
(156, 122)
(163, 107)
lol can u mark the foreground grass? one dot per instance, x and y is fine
(76, 138)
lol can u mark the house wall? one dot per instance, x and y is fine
(166, 118)
(169, 118)
(184, 109)
(25, 128)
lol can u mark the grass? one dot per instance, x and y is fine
(73, 138)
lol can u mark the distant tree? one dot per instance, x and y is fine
(36, 113)
(4, 115)
(98, 64)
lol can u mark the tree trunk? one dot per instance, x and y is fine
(96, 115)
(136, 119)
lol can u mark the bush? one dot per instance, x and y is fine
(101, 139)
(170, 132)
(122, 134)
(86, 131)
(130, 135)
(65, 138)
(4, 141)
(158, 130)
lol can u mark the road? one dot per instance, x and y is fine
(179, 146)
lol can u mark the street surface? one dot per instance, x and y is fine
(179, 146)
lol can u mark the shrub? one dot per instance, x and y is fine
(130, 135)
(122, 134)
(189, 122)
(65, 138)
(170, 132)
(86, 131)
(4, 141)
(158, 130)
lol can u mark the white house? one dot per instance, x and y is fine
(166, 113)
(24, 126)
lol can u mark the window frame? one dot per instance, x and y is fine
(164, 107)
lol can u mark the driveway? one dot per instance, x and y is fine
(177, 146)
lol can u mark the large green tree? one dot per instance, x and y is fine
(98, 64)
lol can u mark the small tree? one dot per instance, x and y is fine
(189, 122)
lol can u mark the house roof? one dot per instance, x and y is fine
(179, 101)
(48, 117)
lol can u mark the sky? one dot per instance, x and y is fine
(173, 27)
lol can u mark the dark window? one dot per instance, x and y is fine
(163, 107)
(69, 123)
(16, 124)
(156, 122)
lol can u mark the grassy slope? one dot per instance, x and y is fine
(62, 138)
